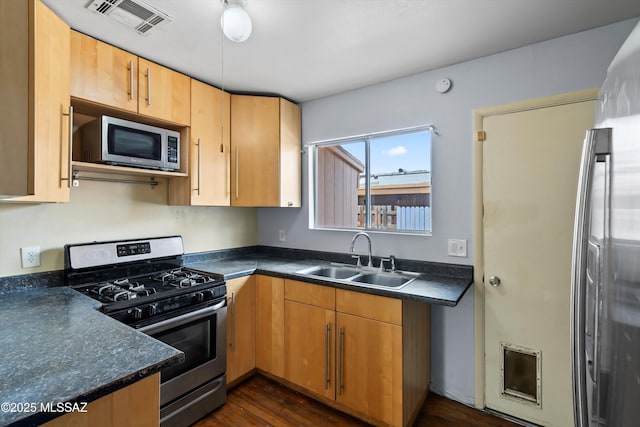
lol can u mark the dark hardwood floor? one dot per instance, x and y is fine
(262, 402)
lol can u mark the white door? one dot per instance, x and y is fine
(530, 173)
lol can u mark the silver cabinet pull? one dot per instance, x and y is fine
(198, 176)
(131, 80)
(237, 182)
(233, 321)
(494, 281)
(340, 362)
(70, 171)
(327, 379)
(148, 86)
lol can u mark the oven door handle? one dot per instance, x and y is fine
(181, 320)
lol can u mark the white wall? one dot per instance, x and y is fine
(566, 64)
(109, 211)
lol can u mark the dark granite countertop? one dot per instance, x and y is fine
(56, 347)
(442, 284)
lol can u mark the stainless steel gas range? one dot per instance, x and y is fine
(142, 283)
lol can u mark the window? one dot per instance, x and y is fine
(376, 182)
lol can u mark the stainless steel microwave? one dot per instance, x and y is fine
(123, 142)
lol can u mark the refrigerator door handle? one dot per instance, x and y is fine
(594, 281)
(597, 144)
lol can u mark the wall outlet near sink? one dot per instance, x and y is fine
(457, 247)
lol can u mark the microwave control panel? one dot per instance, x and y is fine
(172, 149)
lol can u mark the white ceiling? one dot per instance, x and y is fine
(307, 49)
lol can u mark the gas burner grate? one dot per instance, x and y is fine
(182, 279)
(122, 290)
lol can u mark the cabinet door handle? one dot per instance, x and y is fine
(340, 362)
(131, 80)
(327, 379)
(148, 86)
(198, 176)
(237, 182)
(233, 321)
(70, 158)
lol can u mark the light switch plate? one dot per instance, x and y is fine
(457, 247)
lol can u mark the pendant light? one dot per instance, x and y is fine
(235, 21)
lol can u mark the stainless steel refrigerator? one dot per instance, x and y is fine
(606, 254)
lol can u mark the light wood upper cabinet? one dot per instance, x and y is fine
(103, 73)
(265, 152)
(241, 327)
(106, 75)
(270, 325)
(163, 93)
(34, 124)
(209, 181)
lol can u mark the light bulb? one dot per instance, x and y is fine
(235, 23)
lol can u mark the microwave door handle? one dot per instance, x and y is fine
(597, 143)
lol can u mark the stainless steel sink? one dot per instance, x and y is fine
(358, 276)
(387, 280)
(341, 273)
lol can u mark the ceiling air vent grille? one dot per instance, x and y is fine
(135, 14)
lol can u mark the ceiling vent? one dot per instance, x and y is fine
(135, 14)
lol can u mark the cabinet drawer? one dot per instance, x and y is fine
(374, 307)
(307, 293)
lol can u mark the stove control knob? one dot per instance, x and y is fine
(199, 296)
(136, 313)
(152, 309)
(208, 294)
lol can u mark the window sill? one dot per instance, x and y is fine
(376, 231)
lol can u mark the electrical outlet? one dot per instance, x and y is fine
(30, 256)
(457, 247)
(282, 235)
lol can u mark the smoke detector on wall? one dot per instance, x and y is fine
(443, 85)
(135, 14)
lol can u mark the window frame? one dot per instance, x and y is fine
(312, 150)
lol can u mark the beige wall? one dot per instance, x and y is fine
(110, 211)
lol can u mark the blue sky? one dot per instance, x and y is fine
(388, 154)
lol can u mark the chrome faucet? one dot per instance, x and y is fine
(353, 242)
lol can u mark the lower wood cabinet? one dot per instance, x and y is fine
(367, 354)
(137, 405)
(241, 327)
(363, 354)
(370, 367)
(309, 349)
(270, 325)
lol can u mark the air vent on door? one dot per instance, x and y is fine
(135, 14)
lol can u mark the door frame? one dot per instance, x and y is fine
(478, 228)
